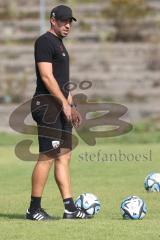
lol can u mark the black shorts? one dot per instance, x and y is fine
(54, 130)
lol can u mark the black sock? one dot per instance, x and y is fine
(35, 203)
(69, 204)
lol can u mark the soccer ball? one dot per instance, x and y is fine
(152, 182)
(89, 203)
(133, 207)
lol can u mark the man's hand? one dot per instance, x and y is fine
(67, 111)
(76, 117)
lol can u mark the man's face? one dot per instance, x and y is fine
(62, 28)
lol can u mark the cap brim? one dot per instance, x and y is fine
(74, 19)
(64, 19)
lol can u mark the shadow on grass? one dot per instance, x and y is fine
(21, 216)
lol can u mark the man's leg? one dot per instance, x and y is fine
(62, 177)
(61, 173)
(40, 174)
(39, 179)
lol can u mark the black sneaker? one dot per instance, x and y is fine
(38, 215)
(79, 214)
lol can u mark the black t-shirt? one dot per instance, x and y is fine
(50, 48)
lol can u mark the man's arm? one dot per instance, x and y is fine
(76, 117)
(45, 69)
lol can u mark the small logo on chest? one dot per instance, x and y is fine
(62, 51)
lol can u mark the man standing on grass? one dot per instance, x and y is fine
(55, 113)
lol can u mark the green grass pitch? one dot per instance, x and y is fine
(110, 180)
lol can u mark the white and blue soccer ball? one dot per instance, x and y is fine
(89, 203)
(133, 207)
(152, 182)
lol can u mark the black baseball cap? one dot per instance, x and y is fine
(62, 13)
